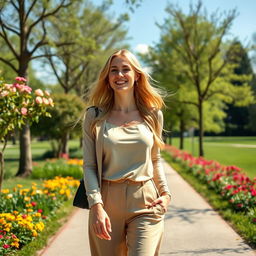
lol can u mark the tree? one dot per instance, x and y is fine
(23, 30)
(238, 117)
(65, 116)
(199, 43)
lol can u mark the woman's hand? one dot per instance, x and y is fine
(100, 222)
(164, 200)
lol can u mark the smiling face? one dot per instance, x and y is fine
(121, 74)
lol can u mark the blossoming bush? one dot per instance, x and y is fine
(228, 181)
(24, 212)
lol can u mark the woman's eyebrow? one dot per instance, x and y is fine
(122, 66)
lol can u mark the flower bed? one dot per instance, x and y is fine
(228, 181)
(24, 212)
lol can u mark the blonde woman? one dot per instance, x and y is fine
(124, 178)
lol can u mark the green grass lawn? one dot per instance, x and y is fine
(11, 156)
(226, 151)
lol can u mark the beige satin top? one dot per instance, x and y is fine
(127, 152)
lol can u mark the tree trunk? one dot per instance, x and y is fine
(182, 129)
(1, 169)
(64, 143)
(201, 128)
(25, 163)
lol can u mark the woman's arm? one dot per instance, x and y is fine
(159, 175)
(90, 161)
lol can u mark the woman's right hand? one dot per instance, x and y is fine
(100, 222)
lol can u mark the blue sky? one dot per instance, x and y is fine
(143, 31)
(142, 28)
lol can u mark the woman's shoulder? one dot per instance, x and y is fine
(158, 112)
(93, 111)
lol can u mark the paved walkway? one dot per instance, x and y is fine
(192, 227)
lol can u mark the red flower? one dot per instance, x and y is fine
(1, 236)
(33, 203)
(6, 246)
(24, 216)
(40, 210)
(229, 187)
(240, 205)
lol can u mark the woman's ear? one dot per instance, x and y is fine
(137, 77)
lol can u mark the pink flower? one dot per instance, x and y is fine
(51, 102)
(40, 210)
(1, 236)
(39, 100)
(13, 89)
(39, 92)
(24, 111)
(45, 101)
(20, 79)
(26, 89)
(18, 86)
(47, 93)
(4, 93)
(8, 86)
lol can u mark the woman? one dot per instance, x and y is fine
(124, 179)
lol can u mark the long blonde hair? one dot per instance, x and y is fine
(147, 98)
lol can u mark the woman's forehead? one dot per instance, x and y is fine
(120, 60)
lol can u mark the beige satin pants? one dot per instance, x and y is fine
(136, 229)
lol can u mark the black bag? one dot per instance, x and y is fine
(80, 199)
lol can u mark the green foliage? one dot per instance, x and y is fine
(58, 168)
(65, 115)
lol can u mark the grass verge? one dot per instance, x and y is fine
(237, 220)
(51, 227)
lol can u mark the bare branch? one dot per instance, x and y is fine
(30, 9)
(52, 13)
(9, 28)
(14, 5)
(9, 64)
(42, 41)
(6, 39)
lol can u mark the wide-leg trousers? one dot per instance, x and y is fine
(136, 229)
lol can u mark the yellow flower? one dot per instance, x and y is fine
(34, 233)
(29, 210)
(62, 191)
(39, 226)
(5, 191)
(26, 198)
(19, 186)
(15, 244)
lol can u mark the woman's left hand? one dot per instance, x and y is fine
(164, 200)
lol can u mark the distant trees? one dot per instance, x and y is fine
(192, 60)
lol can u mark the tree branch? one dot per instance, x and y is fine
(9, 64)
(30, 9)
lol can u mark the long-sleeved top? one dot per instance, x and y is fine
(127, 152)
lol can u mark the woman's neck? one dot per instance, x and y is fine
(124, 103)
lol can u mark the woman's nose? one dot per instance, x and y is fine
(120, 73)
